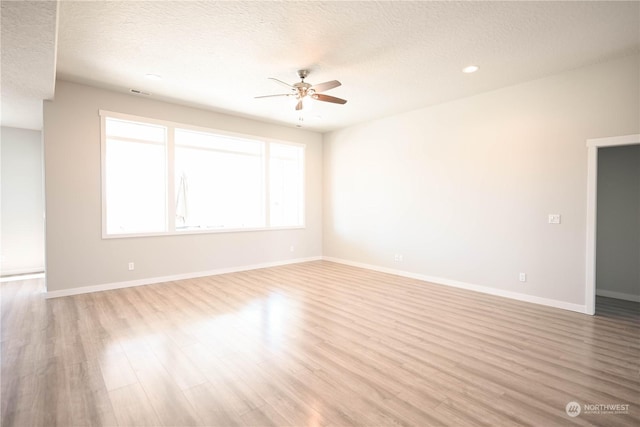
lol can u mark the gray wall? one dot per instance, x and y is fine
(22, 199)
(77, 256)
(618, 223)
(462, 190)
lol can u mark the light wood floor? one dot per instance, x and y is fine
(314, 344)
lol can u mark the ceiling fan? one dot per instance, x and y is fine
(302, 90)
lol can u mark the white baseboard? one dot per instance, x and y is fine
(152, 280)
(17, 278)
(438, 280)
(4, 272)
(617, 295)
(469, 286)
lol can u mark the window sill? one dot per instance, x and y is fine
(201, 231)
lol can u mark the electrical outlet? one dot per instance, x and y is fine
(292, 248)
(397, 257)
(522, 277)
(131, 266)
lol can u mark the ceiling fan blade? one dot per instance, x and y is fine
(321, 87)
(281, 82)
(327, 98)
(299, 105)
(271, 96)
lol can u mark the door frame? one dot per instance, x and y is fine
(592, 206)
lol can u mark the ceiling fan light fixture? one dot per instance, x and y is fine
(305, 94)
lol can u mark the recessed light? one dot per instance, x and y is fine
(470, 69)
(154, 77)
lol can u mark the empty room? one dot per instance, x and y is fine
(320, 214)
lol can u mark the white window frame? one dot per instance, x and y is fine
(170, 184)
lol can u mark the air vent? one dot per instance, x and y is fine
(139, 92)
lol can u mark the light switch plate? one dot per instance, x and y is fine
(554, 218)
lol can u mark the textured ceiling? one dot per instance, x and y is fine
(390, 56)
(28, 40)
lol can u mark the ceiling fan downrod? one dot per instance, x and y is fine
(303, 74)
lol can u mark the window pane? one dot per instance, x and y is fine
(134, 130)
(135, 184)
(209, 141)
(219, 181)
(286, 183)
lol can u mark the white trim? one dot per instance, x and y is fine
(197, 231)
(592, 189)
(617, 295)
(18, 271)
(22, 276)
(266, 178)
(188, 126)
(170, 193)
(468, 286)
(592, 208)
(152, 280)
(103, 172)
(614, 141)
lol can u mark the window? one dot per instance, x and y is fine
(167, 178)
(219, 181)
(135, 177)
(285, 184)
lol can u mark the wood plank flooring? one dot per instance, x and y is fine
(313, 344)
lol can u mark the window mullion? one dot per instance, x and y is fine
(103, 171)
(171, 190)
(267, 185)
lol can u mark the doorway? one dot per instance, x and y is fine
(22, 202)
(594, 152)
